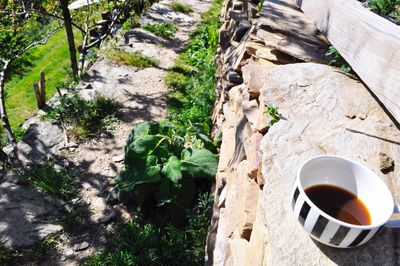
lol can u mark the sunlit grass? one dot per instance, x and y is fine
(53, 58)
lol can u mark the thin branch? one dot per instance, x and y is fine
(8, 12)
(42, 41)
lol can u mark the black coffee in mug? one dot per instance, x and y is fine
(339, 203)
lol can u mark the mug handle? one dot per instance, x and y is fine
(394, 223)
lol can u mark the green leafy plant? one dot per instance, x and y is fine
(163, 30)
(337, 59)
(86, 119)
(136, 59)
(180, 7)
(51, 181)
(158, 166)
(273, 112)
(384, 7)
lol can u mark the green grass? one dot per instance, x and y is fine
(87, 119)
(192, 80)
(151, 240)
(163, 30)
(47, 179)
(136, 59)
(53, 58)
(180, 7)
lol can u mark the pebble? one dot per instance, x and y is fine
(119, 158)
(81, 246)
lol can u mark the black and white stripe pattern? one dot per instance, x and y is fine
(324, 230)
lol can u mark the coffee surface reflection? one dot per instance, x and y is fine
(340, 204)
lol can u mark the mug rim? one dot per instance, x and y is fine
(371, 226)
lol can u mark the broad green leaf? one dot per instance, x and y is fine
(142, 129)
(172, 169)
(199, 163)
(140, 148)
(142, 172)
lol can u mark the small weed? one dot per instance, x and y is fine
(86, 118)
(135, 59)
(163, 30)
(273, 112)
(56, 183)
(131, 22)
(259, 7)
(179, 7)
(337, 59)
(384, 7)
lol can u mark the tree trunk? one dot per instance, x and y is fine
(3, 112)
(70, 36)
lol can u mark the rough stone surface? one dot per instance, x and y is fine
(254, 77)
(42, 139)
(25, 216)
(312, 100)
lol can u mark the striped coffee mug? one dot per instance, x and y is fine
(350, 176)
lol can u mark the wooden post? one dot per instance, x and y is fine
(42, 89)
(37, 94)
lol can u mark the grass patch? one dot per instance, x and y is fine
(56, 183)
(153, 241)
(192, 80)
(180, 7)
(163, 30)
(86, 119)
(53, 58)
(135, 59)
(385, 7)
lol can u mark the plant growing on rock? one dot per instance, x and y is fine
(273, 112)
(259, 7)
(83, 118)
(337, 59)
(163, 30)
(136, 58)
(180, 7)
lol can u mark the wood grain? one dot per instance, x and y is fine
(284, 27)
(368, 42)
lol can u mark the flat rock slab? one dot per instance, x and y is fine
(324, 112)
(150, 45)
(41, 140)
(24, 216)
(140, 91)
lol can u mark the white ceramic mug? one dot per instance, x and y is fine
(353, 177)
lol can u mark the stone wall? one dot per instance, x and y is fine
(278, 58)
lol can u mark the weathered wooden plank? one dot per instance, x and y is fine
(284, 27)
(368, 42)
